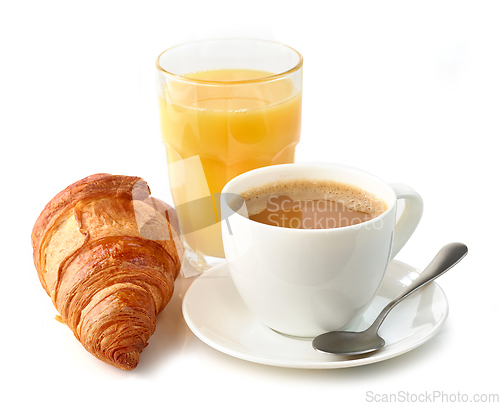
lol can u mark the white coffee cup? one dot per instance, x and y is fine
(304, 282)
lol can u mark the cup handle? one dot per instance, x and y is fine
(410, 217)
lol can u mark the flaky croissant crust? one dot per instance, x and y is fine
(108, 254)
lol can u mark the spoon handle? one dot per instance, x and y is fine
(444, 260)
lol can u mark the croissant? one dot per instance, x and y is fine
(108, 254)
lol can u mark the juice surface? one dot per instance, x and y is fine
(228, 129)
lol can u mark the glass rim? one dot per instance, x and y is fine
(263, 79)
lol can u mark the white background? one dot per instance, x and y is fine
(409, 91)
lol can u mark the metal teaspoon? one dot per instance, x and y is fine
(354, 343)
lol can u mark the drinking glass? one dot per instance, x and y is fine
(227, 106)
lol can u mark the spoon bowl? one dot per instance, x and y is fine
(348, 342)
(355, 343)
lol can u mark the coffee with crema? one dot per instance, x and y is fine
(311, 204)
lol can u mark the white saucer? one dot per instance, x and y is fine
(216, 314)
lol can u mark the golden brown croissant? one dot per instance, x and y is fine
(108, 254)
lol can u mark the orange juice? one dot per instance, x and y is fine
(216, 126)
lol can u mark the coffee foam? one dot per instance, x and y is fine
(352, 197)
